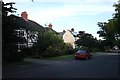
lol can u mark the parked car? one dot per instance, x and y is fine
(83, 54)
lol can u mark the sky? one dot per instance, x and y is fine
(82, 15)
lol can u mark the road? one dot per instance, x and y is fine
(102, 65)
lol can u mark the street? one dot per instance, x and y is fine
(102, 65)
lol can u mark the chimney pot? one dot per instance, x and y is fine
(50, 26)
(24, 15)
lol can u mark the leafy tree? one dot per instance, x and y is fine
(107, 31)
(9, 38)
(117, 22)
(6, 9)
(50, 44)
(86, 41)
(117, 16)
(110, 30)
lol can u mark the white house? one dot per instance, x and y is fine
(70, 37)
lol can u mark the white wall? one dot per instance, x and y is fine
(69, 38)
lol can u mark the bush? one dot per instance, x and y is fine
(28, 51)
(50, 45)
(52, 52)
(71, 51)
(14, 57)
(10, 53)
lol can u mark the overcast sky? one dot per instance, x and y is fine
(82, 15)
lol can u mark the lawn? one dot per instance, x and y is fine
(64, 57)
(61, 57)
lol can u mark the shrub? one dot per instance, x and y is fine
(30, 51)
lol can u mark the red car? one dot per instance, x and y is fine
(81, 54)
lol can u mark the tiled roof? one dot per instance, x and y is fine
(29, 25)
(73, 33)
(61, 33)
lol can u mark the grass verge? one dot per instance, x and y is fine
(61, 57)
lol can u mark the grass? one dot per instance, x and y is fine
(61, 57)
(26, 63)
(52, 58)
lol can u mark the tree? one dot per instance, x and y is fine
(86, 41)
(117, 16)
(9, 38)
(110, 30)
(6, 9)
(50, 44)
(117, 22)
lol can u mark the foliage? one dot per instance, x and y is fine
(9, 38)
(87, 42)
(10, 53)
(6, 9)
(117, 16)
(49, 45)
(63, 57)
(110, 31)
(29, 51)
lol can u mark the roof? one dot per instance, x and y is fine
(72, 32)
(35, 26)
(61, 33)
(47, 29)
(29, 25)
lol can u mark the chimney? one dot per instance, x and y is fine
(72, 30)
(64, 31)
(24, 15)
(50, 26)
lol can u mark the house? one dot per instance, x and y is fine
(48, 28)
(69, 37)
(27, 30)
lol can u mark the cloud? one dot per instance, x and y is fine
(75, 1)
(68, 11)
(72, 10)
(100, 1)
(65, 10)
(52, 14)
(45, 1)
(18, 1)
(60, 1)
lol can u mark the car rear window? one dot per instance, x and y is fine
(81, 51)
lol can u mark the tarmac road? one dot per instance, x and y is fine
(102, 65)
